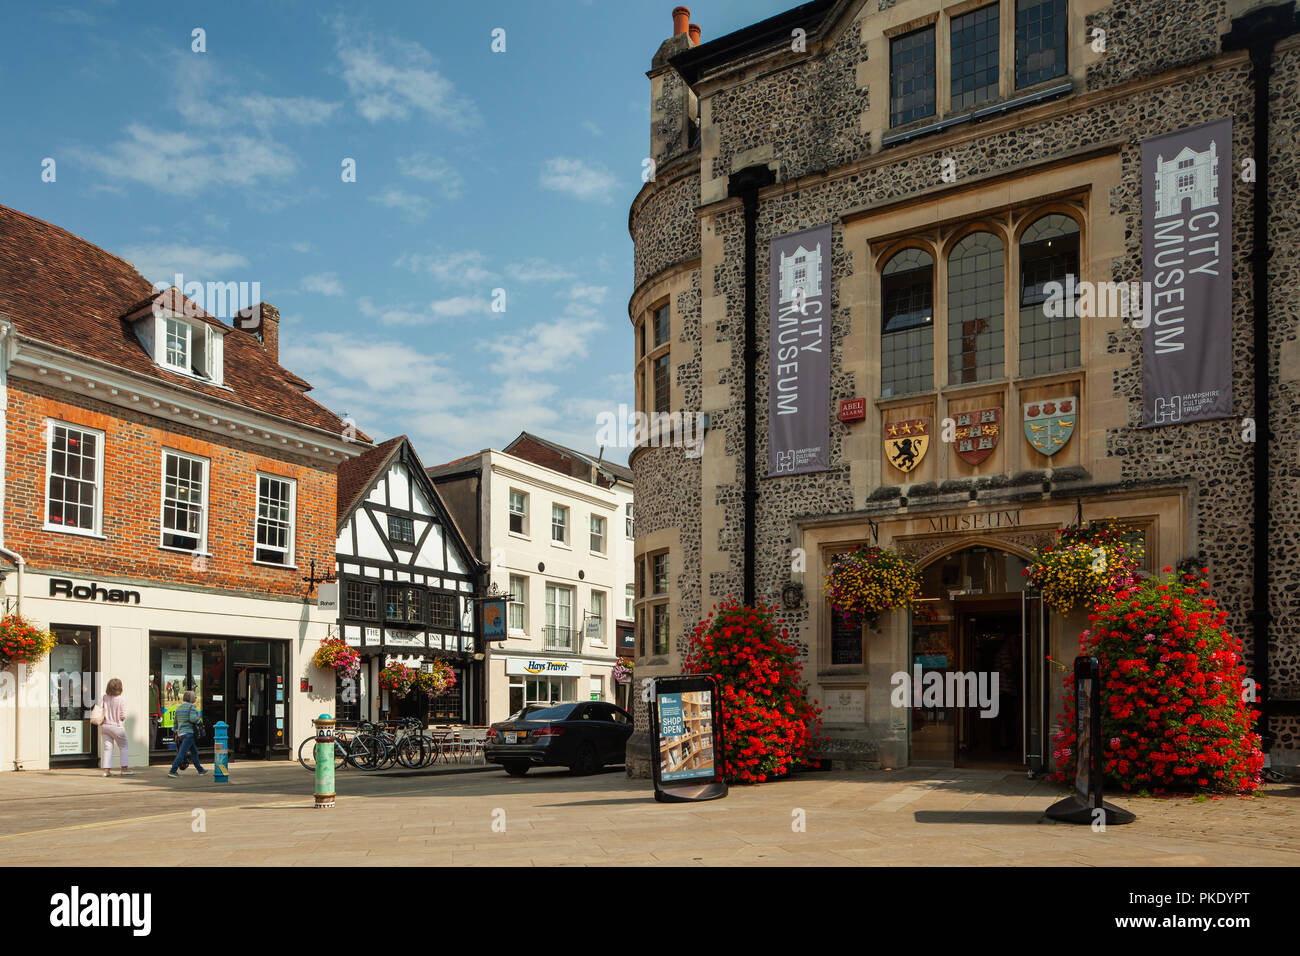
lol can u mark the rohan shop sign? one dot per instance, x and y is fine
(63, 587)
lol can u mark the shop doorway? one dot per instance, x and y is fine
(250, 731)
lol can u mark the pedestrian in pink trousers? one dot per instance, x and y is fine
(112, 732)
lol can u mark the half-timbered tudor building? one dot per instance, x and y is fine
(407, 582)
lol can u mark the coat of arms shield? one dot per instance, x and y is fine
(906, 442)
(977, 433)
(1050, 423)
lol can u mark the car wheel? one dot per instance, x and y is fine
(587, 762)
(516, 768)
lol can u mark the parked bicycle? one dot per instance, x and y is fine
(342, 743)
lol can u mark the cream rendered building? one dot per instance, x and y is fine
(560, 544)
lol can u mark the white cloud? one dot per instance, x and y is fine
(578, 179)
(592, 128)
(324, 283)
(224, 139)
(469, 265)
(404, 314)
(265, 110)
(389, 387)
(300, 246)
(547, 346)
(159, 262)
(181, 164)
(433, 169)
(460, 305)
(538, 270)
(411, 207)
(593, 294)
(391, 78)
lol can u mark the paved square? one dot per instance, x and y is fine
(888, 818)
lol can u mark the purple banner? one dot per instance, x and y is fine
(1187, 267)
(799, 360)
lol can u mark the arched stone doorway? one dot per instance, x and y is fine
(976, 656)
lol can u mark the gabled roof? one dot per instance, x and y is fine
(621, 472)
(358, 477)
(62, 291)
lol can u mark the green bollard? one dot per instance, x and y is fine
(324, 761)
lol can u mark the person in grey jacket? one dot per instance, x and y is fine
(187, 718)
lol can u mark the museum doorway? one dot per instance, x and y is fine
(976, 654)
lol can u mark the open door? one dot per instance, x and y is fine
(1033, 628)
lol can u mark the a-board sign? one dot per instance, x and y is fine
(1086, 805)
(685, 726)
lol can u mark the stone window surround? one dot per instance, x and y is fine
(664, 541)
(877, 67)
(645, 361)
(1008, 224)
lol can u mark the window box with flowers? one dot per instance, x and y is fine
(864, 583)
(1088, 563)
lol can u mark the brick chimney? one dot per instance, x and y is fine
(681, 20)
(270, 331)
(695, 34)
(263, 322)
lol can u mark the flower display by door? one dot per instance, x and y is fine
(436, 682)
(1173, 715)
(1088, 563)
(397, 679)
(768, 724)
(866, 582)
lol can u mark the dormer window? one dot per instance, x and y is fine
(182, 344)
(177, 350)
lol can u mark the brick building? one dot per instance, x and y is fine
(953, 158)
(167, 486)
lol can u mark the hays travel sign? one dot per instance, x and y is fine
(1187, 266)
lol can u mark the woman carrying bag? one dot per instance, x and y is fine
(110, 715)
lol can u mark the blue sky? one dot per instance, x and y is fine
(475, 171)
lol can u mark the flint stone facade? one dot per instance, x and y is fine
(817, 119)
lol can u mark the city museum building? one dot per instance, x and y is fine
(940, 163)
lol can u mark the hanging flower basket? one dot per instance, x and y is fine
(866, 582)
(339, 656)
(397, 679)
(22, 642)
(437, 682)
(1088, 563)
(623, 670)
